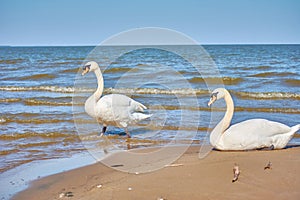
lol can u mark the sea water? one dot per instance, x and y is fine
(42, 92)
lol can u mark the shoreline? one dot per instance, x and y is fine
(188, 177)
(20, 178)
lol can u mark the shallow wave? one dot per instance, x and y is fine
(8, 151)
(216, 80)
(236, 109)
(12, 61)
(169, 127)
(268, 110)
(4, 120)
(75, 58)
(34, 151)
(261, 67)
(297, 135)
(120, 69)
(142, 65)
(52, 120)
(266, 95)
(26, 118)
(38, 88)
(35, 134)
(10, 100)
(274, 74)
(70, 70)
(37, 144)
(182, 91)
(39, 76)
(32, 102)
(293, 82)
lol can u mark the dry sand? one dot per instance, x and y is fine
(189, 178)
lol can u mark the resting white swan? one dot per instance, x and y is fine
(114, 109)
(249, 134)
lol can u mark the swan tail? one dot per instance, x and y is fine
(294, 129)
(282, 140)
(139, 107)
(140, 116)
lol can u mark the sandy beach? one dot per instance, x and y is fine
(187, 178)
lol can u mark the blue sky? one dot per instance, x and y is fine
(88, 22)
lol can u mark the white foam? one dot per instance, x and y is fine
(182, 91)
(2, 120)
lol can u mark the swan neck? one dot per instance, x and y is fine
(223, 125)
(90, 104)
(229, 111)
(100, 87)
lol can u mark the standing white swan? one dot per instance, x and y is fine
(249, 134)
(114, 109)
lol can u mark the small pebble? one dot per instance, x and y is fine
(99, 186)
(61, 195)
(129, 189)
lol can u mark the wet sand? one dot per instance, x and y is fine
(188, 178)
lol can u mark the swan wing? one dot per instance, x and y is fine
(259, 127)
(119, 110)
(118, 101)
(254, 134)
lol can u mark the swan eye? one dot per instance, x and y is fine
(214, 94)
(86, 66)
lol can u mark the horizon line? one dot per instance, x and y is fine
(93, 45)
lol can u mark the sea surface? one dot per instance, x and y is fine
(42, 95)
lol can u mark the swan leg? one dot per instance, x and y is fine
(267, 148)
(270, 147)
(127, 133)
(103, 131)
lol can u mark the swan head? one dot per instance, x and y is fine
(217, 94)
(89, 67)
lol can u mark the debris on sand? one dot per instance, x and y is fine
(66, 194)
(236, 172)
(269, 166)
(174, 165)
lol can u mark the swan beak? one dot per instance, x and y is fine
(85, 71)
(211, 100)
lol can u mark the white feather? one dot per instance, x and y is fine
(249, 134)
(114, 109)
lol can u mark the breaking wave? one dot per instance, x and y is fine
(38, 88)
(181, 91)
(266, 95)
(184, 91)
